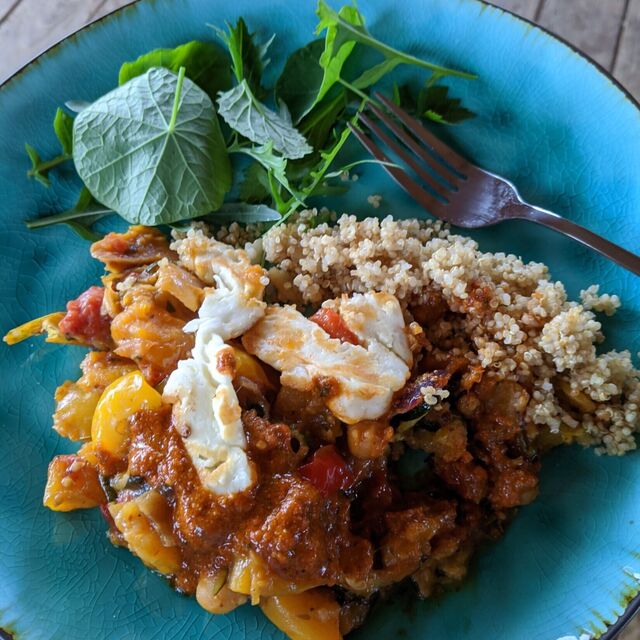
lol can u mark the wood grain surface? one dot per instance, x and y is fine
(606, 30)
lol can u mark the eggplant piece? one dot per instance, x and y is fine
(409, 403)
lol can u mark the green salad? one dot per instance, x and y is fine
(164, 146)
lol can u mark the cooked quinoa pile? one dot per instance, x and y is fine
(503, 315)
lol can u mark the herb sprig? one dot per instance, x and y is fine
(153, 150)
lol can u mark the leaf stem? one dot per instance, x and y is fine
(364, 37)
(318, 175)
(361, 94)
(43, 167)
(65, 216)
(357, 91)
(357, 163)
(176, 99)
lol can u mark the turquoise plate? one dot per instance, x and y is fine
(548, 119)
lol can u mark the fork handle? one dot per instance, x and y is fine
(553, 221)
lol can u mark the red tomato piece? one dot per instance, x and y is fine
(327, 471)
(334, 325)
(85, 320)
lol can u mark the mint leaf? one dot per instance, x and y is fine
(300, 80)
(244, 113)
(204, 62)
(276, 166)
(248, 59)
(152, 150)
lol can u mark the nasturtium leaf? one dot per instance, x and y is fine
(244, 113)
(152, 150)
(205, 63)
(76, 105)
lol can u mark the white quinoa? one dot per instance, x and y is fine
(604, 302)
(511, 318)
(432, 395)
(375, 200)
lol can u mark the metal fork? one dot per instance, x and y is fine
(458, 191)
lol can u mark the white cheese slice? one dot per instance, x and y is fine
(206, 411)
(362, 377)
(375, 317)
(227, 313)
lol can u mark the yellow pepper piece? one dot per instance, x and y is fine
(119, 401)
(72, 483)
(88, 452)
(142, 522)
(250, 367)
(46, 324)
(215, 596)
(250, 576)
(312, 615)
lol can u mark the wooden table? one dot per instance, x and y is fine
(607, 30)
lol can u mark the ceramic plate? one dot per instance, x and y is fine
(548, 119)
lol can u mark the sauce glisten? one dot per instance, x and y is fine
(301, 533)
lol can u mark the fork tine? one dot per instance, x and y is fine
(429, 202)
(437, 187)
(433, 161)
(459, 163)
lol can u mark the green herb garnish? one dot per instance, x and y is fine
(153, 150)
(63, 127)
(205, 64)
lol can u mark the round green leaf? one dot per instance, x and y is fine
(152, 150)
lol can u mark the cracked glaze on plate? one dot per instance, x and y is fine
(548, 120)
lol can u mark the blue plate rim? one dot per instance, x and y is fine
(634, 605)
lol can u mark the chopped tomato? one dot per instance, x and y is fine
(86, 322)
(334, 325)
(327, 470)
